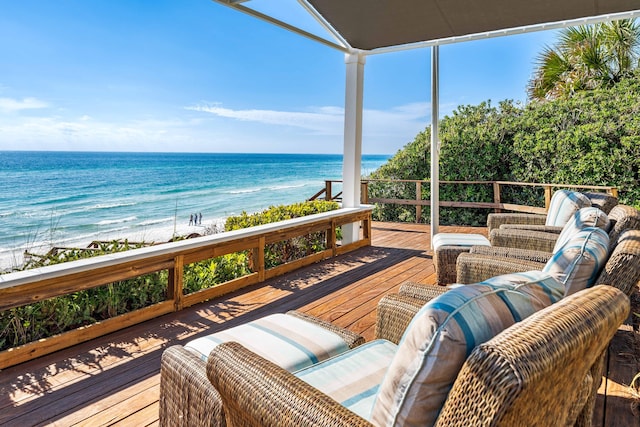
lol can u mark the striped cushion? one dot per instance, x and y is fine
(564, 204)
(442, 335)
(353, 378)
(287, 341)
(585, 217)
(578, 262)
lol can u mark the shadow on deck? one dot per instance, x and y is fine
(115, 379)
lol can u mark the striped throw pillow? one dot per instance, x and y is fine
(564, 204)
(442, 335)
(579, 261)
(585, 217)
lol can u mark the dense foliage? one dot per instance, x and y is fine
(56, 315)
(590, 138)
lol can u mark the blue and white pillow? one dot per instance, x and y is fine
(442, 335)
(564, 204)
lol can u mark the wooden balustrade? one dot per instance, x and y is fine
(497, 205)
(25, 287)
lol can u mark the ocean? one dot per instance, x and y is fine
(72, 198)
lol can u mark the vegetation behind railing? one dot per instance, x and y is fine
(408, 200)
(147, 282)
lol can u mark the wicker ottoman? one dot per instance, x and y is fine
(447, 247)
(292, 340)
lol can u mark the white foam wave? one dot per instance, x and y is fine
(111, 205)
(285, 187)
(244, 191)
(117, 221)
(156, 221)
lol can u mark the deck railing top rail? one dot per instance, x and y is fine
(165, 249)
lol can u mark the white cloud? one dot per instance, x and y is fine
(10, 105)
(329, 120)
(324, 120)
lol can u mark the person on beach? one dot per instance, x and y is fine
(191, 219)
(200, 218)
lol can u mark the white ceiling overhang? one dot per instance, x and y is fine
(376, 26)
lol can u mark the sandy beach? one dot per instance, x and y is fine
(11, 259)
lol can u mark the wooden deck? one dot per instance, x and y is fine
(114, 380)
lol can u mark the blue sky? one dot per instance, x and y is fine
(195, 76)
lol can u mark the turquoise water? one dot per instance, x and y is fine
(71, 198)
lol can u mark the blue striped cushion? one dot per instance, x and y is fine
(579, 261)
(585, 217)
(442, 335)
(564, 204)
(353, 378)
(288, 341)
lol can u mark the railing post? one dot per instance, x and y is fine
(418, 198)
(614, 192)
(331, 238)
(496, 196)
(327, 195)
(176, 282)
(364, 192)
(258, 258)
(547, 197)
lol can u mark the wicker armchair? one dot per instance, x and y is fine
(536, 372)
(605, 202)
(544, 237)
(187, 397)
(621, 270)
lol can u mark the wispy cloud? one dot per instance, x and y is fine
(10, 104)
(329, 120)
(323, 120)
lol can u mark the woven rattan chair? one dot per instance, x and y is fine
(605, 202)
(187, 397)
(544, 237)
(536, 372)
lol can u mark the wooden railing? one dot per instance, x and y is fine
(25, 287)
(497, 203)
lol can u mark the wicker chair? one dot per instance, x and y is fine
(187, 397)
(605, 202)
(544, 237)
(536, 372)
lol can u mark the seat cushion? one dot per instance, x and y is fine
(352, 378)
(442, 335)
(579, 261)
(459, 239)
(288, 341)
(583, 218)
(564, 204)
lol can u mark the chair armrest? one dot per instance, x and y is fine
(187, 397)
(495, 220)
(256, 392)
(515, 253)
(421, 291)
(395, 312)
(523, 239)
(622, 269)
(543, 228)
(474, 268)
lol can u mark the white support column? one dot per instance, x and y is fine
(351, 166)
(435, 144)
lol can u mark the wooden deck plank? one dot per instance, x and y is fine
(114, 380)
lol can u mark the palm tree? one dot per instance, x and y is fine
(586, 57)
